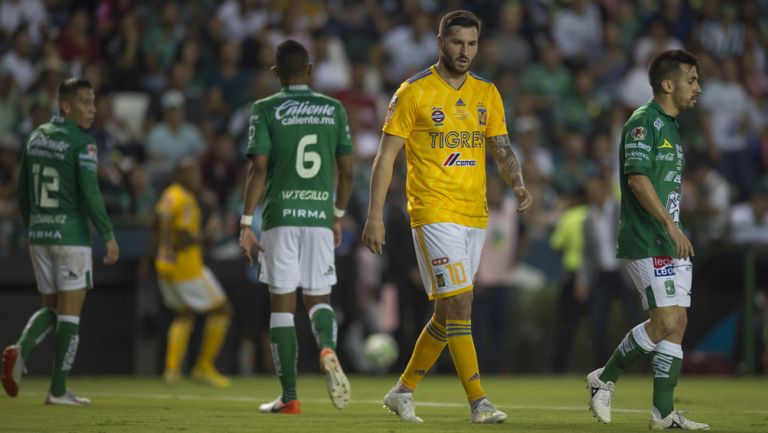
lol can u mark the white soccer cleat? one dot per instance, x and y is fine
(67, 399)
(401, 404)
(338, 385)
(600, 395)
(485, 412)
(13, 369)
(675, 420)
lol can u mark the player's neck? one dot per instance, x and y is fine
(454, 80)
(666, 104)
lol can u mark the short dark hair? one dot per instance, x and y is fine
(291, 59)
(69, 87)
(461, 18)
(665, 65)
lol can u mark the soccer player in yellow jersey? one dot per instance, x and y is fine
(186, 285)
(445, 117)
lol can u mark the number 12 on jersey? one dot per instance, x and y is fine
(45, 186)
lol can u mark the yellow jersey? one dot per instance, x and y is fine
(444, 131)
(177, 210)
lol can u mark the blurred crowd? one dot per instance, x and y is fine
(174, 79)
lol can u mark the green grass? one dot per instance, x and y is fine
(534, 404)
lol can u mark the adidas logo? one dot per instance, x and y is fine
(593, 390)
(460, 103)
(329, 271)
(474, 377)
(421, 372)
(675, 425)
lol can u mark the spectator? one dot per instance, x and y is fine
(10, 104)
(16, 13)
(220, 169)
(229, 77)
(19, 60)
(240, 19)
(723, 34)
(171, 139)
(528, 147)
(509, 39)
(707, 198)
(573, 168)
(749, 220)
(76, 44)
(548, 80)
(409, 47)
(330, 67)
(576, 29)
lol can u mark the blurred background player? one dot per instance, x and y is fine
(657, 252)
(445, 116)
(186, 284)
(58, 193)
(294, 137)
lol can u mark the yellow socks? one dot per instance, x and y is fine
(428, 348)
(178, 337)
(215, 331)
(464, 357)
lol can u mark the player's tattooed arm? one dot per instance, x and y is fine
(509, 166)
(509, 169)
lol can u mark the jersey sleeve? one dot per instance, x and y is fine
(401, 113)
(90, 195)
(259, 141)
(639, 146)
(494, 116)
(344, 145)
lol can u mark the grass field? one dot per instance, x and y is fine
(534, 404)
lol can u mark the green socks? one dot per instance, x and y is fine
(667, 360)
(634, 346)
(323, 326)
(67, 339)
(282, 334)
(39, 325)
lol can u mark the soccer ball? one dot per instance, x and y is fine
(380, 350)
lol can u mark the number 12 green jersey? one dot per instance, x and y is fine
(302, 132)
(650, 145)
(58, 189)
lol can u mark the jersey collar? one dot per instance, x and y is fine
(61, 120)
(655, 105)
(296, 88)
(433, 68)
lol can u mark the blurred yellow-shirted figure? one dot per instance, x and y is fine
(186, 285)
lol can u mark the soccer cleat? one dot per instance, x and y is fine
(210, 376)
(338, 385)
(172, 377)
(277, 406)
(67, 399)
(401, 404)
(13, 369)
(600, 395)
(674, 420)
(485, 412)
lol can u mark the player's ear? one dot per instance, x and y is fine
(275, 73)
(64, 107)
(667, 86)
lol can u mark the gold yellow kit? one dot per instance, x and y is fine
(445, 131)
(177, 210)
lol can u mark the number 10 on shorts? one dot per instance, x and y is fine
(456, 272)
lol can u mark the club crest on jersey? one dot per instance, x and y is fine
(482, 115)
(438, 116)
(658, 124)
(454, 161)
(638, 133)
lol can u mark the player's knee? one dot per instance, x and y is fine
(665, 325)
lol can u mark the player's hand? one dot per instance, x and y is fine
(683, 246)
(373, 235)
(247, 242)
(337, 230)
(581, 292)
(113, 252)
(524, 197)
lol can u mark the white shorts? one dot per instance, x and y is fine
(298, 257)
(448, 256)
(662, 281)
(200, 294)
(60, 268)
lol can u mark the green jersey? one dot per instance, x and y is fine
(302, 132)
(650, 145)
(58, 189)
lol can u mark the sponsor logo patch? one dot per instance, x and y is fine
(454, 161)
(662, 266)
(440, 278)
(658, 124)
(440, 261)
(438, 116)
(666, 145)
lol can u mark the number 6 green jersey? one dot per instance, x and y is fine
(58, 189)
(302, 132)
